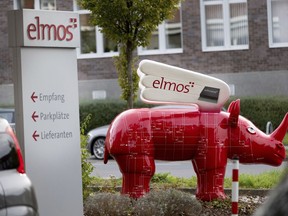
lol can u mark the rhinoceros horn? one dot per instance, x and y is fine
(279, 133)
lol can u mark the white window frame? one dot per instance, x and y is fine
(17, 4)
(226, 19)
(100, 48)
(162, 42)
(99, 40)
(272, 44)
(99, 44)
(48, 6)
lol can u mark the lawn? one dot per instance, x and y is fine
(266, 180)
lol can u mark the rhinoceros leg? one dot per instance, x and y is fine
(210, 170)
(137, 171)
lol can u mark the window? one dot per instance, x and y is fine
(224, 25)
(167, 38)
(87, 35)
(48, 4)
(93, 43)
(277, 23)
(36, 4)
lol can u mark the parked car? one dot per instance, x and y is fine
(96, 141)
(9, 115)
(17, 196)
(97, 136)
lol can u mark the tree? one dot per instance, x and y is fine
(130, 23)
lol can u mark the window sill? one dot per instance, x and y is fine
(159, 52)
(219, 49)
(95, 55)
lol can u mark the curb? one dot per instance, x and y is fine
(228, 191)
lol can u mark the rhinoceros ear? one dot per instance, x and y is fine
(234, 110)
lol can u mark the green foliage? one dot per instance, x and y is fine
(260, 110)
(122, 67)
(87, 167)
(130, 24)
(129, 20)
(170, 201)
(161, 178)
(220, 203)
(103, 112)
(266, 180)
(110, 185)
(166, 180)
(285, 140)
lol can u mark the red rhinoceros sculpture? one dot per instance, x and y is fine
(138, 137)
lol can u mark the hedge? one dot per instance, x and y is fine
(259, 110)
(104, 111)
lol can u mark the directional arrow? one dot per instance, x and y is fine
(34, 116)
(34, 97)
(35, 135)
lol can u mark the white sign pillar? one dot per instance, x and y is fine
(47, 106)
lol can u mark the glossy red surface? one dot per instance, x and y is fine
(138, 137)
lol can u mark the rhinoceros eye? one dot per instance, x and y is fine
(251, 130)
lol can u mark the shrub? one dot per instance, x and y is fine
(285, 141)
(103, 111)
(87, 167)
(107, 185)
(157, 202)
(260, 110)
(166, 203)
(107, 204)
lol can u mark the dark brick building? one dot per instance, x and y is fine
(243, 42)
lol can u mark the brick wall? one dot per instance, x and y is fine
(259, 57)
(98, 68)
(5, 54)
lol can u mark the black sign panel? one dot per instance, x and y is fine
(210, 94)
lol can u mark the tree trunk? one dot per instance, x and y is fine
(129, 58)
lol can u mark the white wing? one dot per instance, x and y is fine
(165, 84)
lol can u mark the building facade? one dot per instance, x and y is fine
(244, 43)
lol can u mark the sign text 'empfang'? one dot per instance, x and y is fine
(49, 116)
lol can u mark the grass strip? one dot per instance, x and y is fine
(265, 180)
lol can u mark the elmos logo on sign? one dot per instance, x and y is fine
(44, 31)
(39, 28)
